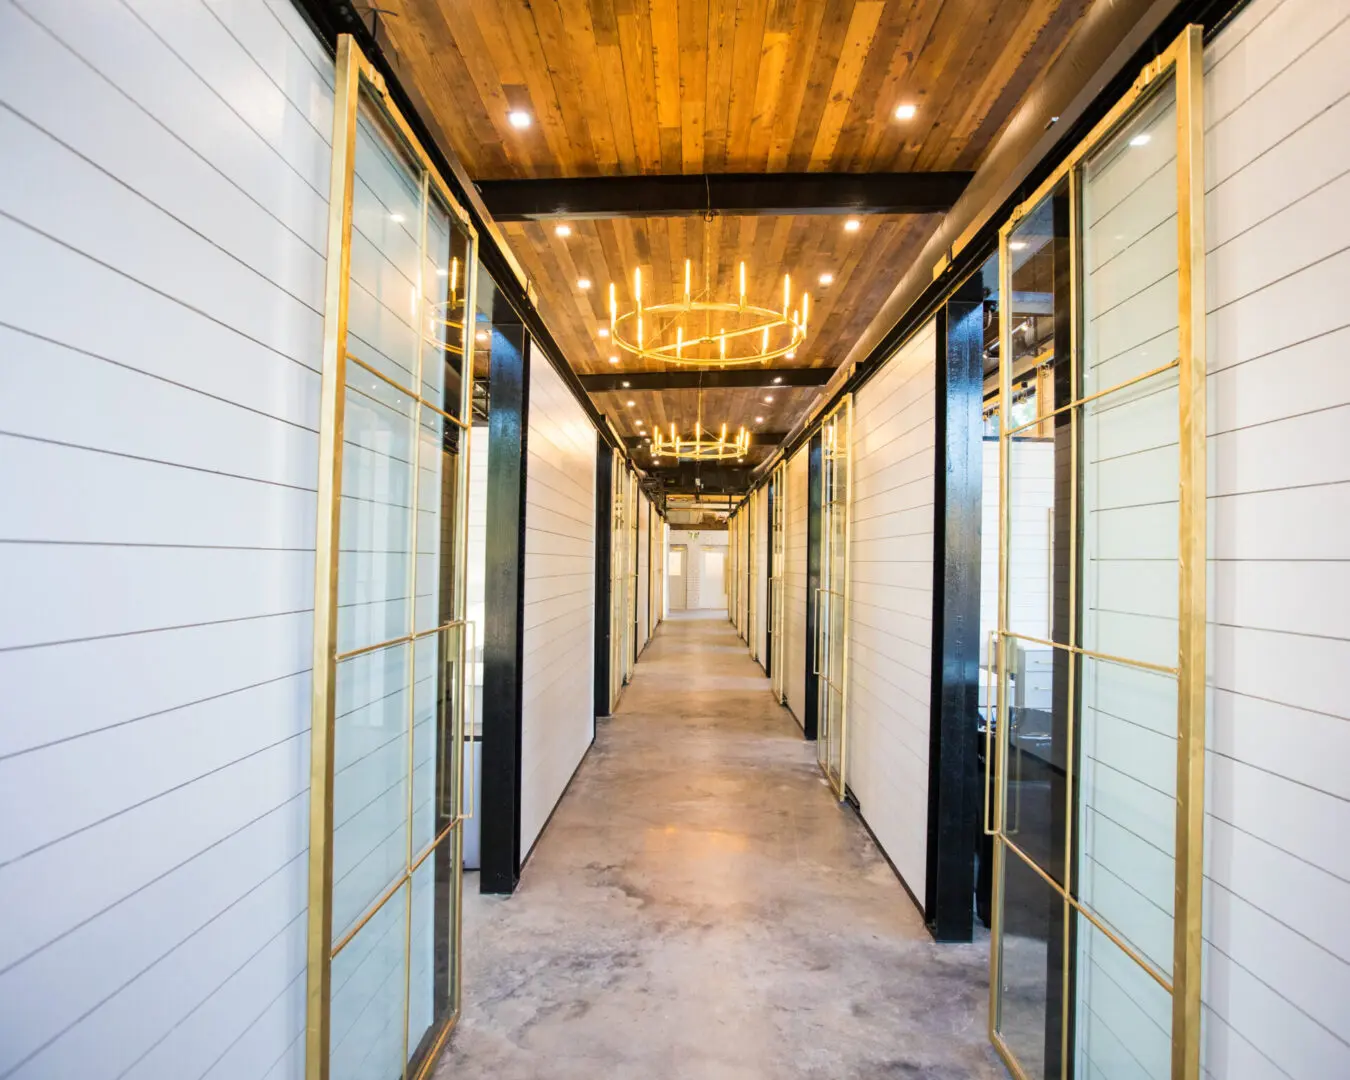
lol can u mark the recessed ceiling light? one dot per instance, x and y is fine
(562, 230)
(626, 384)
(1140, 140)
(905, 112)
(1016, 245)
(396, 217)
(791, 356)
(768, 399)
(852, 225)
(604, 331)
(778, 378)
(482, 335)
(827, 279)
(519, 119)
(613, 359)
(583, 283)
(631, 404)
(759, 419)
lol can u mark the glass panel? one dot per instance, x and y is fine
(383, 303)
(370, 780)
(1123, 1026)
(437, 539)
(1126, 786)
(432, 994)
(1032, 512)
(1030, 958)
(376, 514)
(369, 988)
(448, 253)
(1129, 243)
(1037, 309)
(438, 694)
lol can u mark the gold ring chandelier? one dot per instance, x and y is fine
(700, 331)
(702, 447)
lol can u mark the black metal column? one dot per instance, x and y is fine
(953, 779)
(768, 604)
(814, 490)
(604, 538)
(504, 596)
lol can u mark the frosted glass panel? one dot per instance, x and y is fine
(434, 916)
(1126, 1031)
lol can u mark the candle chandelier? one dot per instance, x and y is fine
(699, 330)
(702, 445)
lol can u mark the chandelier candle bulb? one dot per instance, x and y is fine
(613, 307)
(637, 290)
(688, 279)
(742, 284)
(787, 294)
(806, 308)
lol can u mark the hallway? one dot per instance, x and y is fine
(699, 907)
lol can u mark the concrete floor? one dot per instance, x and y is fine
(700, 907)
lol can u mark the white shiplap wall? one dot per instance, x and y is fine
(891, 621)
(558, 720)
(163, 205)
(1277, 108)
(794, 582)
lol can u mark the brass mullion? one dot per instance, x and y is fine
(1188, 944)
(1078, 402)
(1162, 669)
(405, 390)
(331, 419)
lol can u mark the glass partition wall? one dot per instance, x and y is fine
(1097, 807)
(620, 622)
(777, 555)
(832, 595)
(389, 631)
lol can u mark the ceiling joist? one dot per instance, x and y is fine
(742, 194)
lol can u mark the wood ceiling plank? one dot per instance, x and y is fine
(639, 72)
(747, 51)
(883, 139)
(803, 20)
(693, 81)
(665, 29)
(862, 28)
(720, 37)
(830, 43)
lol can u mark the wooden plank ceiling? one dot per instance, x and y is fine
(628, 87)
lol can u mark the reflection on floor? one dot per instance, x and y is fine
(700, 907)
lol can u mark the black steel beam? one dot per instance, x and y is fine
(707, 379)
(716, 479)
(597, 197)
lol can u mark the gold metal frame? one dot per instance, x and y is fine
(1183, 61)
(777, 591)
(357, 77)
(833, 502)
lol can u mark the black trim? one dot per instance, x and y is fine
(953, 786)
(708, 379)
(604, 539)
(767, 658)
(676, 195)
(504, 599)
(814, 489)
(328, 19)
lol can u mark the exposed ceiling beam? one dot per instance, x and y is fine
(706, 379)
(728, 193)
(758, 439)
(733, 479)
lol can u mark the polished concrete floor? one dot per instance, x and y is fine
(701, 907)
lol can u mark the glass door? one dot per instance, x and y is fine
(389, 630)
(631, 592)
(831, 657)
(618, 579)
(777, 555)
(751, 576)
(1097, 806)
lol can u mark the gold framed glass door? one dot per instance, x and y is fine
(618, 579)
(631, 592)
(1097, 807)
(777, 598)
(389, 630)
(832, 596)
(752, 576)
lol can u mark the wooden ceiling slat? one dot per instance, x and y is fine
(803, 18)
(747, 50)
(720, 37)
(862, 28)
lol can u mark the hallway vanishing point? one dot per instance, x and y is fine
(701, 907)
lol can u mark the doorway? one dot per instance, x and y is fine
(676, 577)
(712, 587)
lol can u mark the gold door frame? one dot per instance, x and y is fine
(777, 590)
(355, 77)
(1183, 60)
(826, 598)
